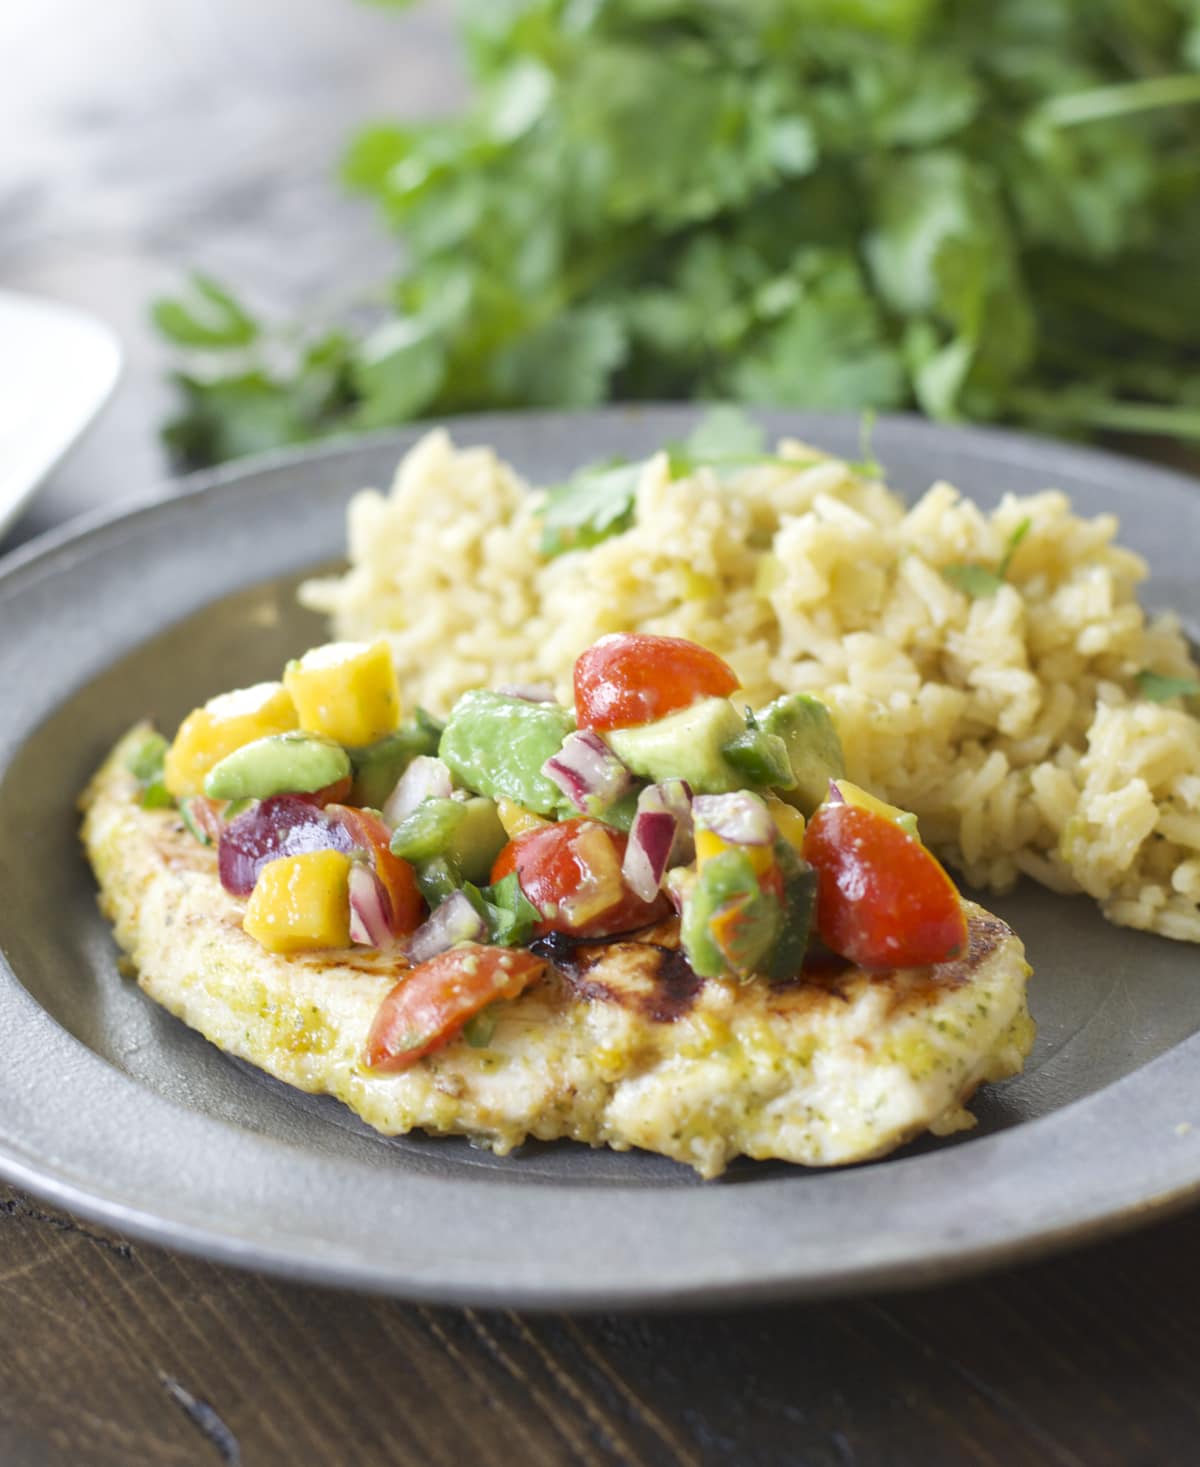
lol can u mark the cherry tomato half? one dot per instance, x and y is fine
(633, 677)
(369, 832)
(571, 872)
(432, 1001)
(882, 900)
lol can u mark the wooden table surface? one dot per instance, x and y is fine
(137, 137)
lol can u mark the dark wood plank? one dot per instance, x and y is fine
(118, 1353)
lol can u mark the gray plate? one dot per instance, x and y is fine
(113, 1109)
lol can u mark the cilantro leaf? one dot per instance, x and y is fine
(590, 507)
(1010, 548)
(985, 212)
(978, 580)
(156, 796)
(206, 316)
(508, 912)
(866, 463)
(1158, 687)
(973, 580)
(725, 432)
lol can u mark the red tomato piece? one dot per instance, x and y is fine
(883, 900)
(633, 677)
(433, 1001)
(571, 872)
(332, 794)
(369, 832)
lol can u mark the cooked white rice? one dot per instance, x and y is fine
(1011, 723)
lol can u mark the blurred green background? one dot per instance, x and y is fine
(984, 211)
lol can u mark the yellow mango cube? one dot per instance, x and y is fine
(516, 819)
(224, 724)
(347, 691)
(788, 821)
(710, 844)
(301, 903)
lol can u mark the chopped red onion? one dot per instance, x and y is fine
(370, 908)
(529, 692)
(675, 797)
(425, 778)
(284, 825)
(740, 818)
(650, 840)
(835, 796)
(588, 772)
(661, 836)
(455, 920)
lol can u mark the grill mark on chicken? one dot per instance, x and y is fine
(656, 981)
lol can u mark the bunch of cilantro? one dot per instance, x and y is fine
(984, 210)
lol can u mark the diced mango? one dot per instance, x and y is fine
(301, 903)
(788, 821)
(516, 819)
(710, 844)
(346, 691)
(224, 724)
(854, 794)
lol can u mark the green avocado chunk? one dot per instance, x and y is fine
(378, 766)
(786, 958)
(280, 764)
(466, 833)
(751, 920)
(813, 747)
(687, 745)
(497, 744)
(761, 759)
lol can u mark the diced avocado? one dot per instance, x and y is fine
(761, 758)
(786, 958)
(280, 764)
(813, 747)
(620, 814)
(428, 831)
(729, 923)
(478, 840)
(480, 1027)
(436, 880)
(378, 766)
(685, 745)
(497, 744)
(466, 833)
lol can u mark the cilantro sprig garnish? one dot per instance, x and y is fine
(145, 761)
(981, 580)
(984, 212)
(1158, 687)
(508, 912)
(598, 501)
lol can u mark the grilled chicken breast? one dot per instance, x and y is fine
(620, 1044)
